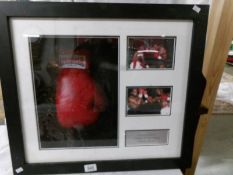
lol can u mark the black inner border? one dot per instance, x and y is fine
(196, 81)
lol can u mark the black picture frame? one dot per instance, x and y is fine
(196, 81)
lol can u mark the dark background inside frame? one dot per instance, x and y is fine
(45, 52)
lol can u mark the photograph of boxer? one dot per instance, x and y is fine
(76, 87)
(151, 52)
(149, 100)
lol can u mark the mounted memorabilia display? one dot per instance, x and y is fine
(92, 87)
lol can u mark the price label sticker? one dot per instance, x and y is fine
(19, 170)
(196, 8)
(90, 168)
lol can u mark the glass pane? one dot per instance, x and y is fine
(76, 85)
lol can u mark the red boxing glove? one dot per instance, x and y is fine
(78, 99)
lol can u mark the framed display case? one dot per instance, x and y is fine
(93, 87)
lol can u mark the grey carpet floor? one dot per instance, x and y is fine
(217, 153)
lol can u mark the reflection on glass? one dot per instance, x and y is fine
(76, 80)
(149, 100)
(151, 52)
